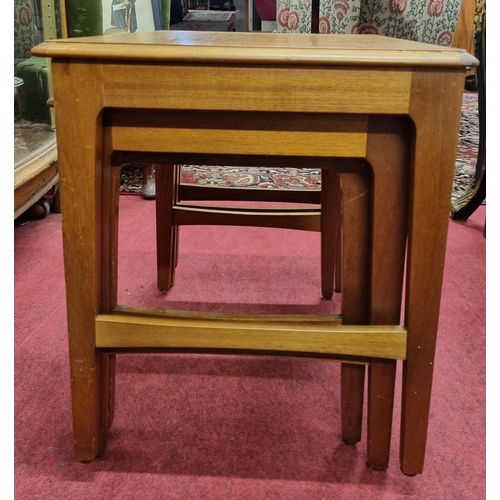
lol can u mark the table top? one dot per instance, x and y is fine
(257, 48)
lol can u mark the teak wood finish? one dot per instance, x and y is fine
(388, 115)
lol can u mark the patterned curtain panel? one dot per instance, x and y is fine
(429, 21)
(27, 28)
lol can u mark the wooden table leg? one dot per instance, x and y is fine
(330, 227)
(388, 152)
(148, 190)
(435, 144)
(109, 270)
(338, 254)
(175, 243)
(356, 200)
(80, 182)
(166, 232)
(374, 237)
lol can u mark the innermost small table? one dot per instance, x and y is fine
(321, 101)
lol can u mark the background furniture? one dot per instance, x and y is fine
(463, 37)
(266, 10)
(35, 149)
(475, 195)
(35, 166)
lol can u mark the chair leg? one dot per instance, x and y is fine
(330, 225)
(165, 230)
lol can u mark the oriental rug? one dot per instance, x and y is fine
(302, 178)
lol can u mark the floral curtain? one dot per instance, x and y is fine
(27, 32)
(429, 21)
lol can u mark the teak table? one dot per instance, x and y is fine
(383, 113)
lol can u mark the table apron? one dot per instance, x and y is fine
(296, 89)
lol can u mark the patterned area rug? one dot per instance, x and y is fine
(468, 143)
(296, 178)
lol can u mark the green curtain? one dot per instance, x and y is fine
(165, 8)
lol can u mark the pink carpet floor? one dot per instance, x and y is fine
(230, 427)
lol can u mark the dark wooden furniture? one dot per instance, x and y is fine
(475, 194)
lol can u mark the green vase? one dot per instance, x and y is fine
(84, 17)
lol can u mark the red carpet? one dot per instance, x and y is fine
(215, 427)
